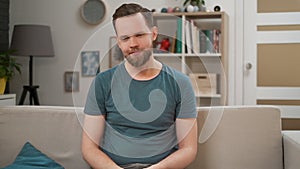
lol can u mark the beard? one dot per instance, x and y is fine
(138, 60)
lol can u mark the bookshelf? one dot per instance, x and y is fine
(198, 48)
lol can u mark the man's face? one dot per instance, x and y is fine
(135, 38)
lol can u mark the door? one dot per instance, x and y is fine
(271, 54)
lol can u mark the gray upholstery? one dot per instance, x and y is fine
(238, 138)
(55, 131)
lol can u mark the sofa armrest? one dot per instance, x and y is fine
(291, 147)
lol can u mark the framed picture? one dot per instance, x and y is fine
(71, 81)
(90, 63)
(115, 53)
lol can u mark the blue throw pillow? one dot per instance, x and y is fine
(31, 158)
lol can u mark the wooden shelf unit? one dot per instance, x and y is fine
(195, 61)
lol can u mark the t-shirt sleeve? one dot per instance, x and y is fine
(187, 104)
(94, 103)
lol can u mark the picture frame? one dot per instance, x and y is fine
(90, 64)
(115, 54)
(71, 81)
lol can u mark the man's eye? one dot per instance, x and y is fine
(124, 38)
(140, 35)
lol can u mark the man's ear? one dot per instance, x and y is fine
(154, 33)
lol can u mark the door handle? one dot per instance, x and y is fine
(248, 66)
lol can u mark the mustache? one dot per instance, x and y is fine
(133, 50)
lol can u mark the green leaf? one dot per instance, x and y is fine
(8, 65)
(185, 2)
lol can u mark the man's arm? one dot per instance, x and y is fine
(91, 136)
(187, 136)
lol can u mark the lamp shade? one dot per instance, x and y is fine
(32, 40)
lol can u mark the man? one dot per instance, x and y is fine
(141, 113)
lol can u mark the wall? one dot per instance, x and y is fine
(71, 35)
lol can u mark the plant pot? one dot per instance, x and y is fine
(2, 85)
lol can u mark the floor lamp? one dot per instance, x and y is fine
(32, 41)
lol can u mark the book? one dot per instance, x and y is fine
(216, 40)
(178, 42)
(209, 41)
(195, 38)
(173, 43)
(188, 39)
(202, 39)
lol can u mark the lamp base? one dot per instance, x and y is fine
(32, 97)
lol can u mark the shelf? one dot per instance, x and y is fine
(190, 14)
(8, 100)
(7, 96)
(206, 30)
(206, 55)
(209, 96)
(167, 54)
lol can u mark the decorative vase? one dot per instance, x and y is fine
(2, 85)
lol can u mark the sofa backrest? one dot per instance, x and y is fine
(239, 138)
(55, 131)
(229, 137)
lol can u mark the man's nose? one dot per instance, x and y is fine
(133, 41)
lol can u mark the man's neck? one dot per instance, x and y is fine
(146, 72)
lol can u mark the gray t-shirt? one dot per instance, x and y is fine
(140, 115)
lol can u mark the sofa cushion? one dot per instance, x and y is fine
(31, 158)
(239, 137)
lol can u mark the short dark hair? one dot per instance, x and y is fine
(130, 9)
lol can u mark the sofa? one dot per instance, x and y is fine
(239, 137)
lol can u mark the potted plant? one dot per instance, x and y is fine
(199, 3)
(8, 66)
